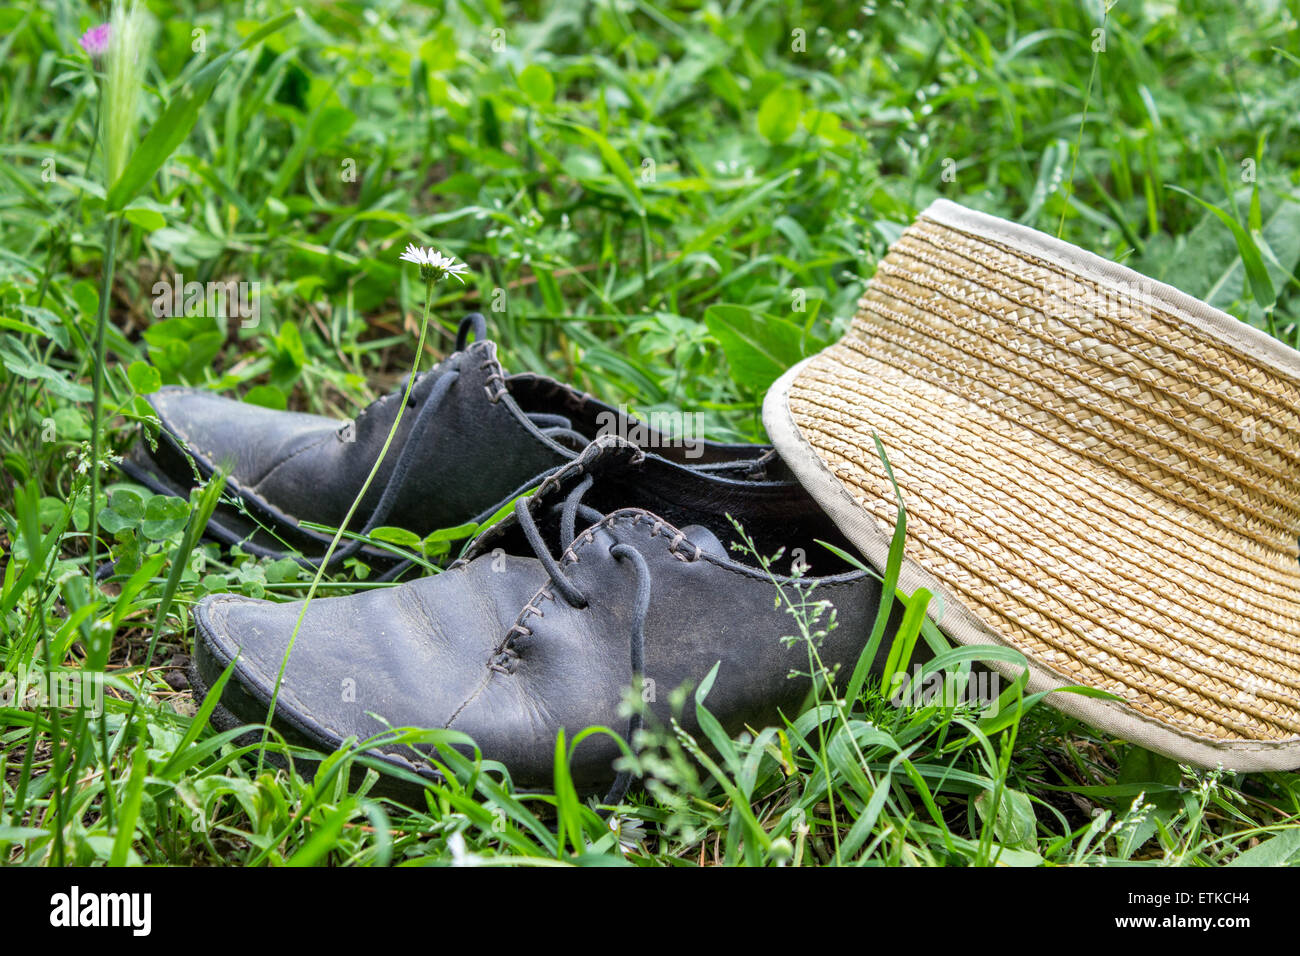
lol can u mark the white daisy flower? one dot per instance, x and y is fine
(434, 266)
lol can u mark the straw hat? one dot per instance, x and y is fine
(1099, 471)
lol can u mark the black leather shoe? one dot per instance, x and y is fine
(473, 437)
(545, 622)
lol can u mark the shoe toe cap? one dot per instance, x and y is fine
(220, 431)
(408, 656)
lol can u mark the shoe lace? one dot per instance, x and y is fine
(570, 508)
(556, 427)
(475, 323)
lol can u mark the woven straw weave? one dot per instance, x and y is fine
(1108, 487)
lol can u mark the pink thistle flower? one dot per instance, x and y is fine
(95, 41)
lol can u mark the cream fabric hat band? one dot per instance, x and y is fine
(1099, 471)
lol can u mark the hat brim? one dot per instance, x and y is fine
(1097, 580)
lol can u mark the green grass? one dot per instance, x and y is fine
(665, 205)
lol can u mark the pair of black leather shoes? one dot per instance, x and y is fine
(612, 574)
(473, 437)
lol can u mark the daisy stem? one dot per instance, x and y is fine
(92, 553)
(97, 401)
(352, 510)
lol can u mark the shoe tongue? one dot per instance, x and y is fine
(607, 453)
(704, 539)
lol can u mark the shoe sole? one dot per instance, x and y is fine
(223, 719)
(230, 528)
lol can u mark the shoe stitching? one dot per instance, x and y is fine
(495, 384)
(301, 712)
(206, 460)
(571, 555)
(506, 657)
(473, 696)
(288, 458)
(164, 402)
(573, 399)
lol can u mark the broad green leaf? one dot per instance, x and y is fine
(164, 516)
(267, 396)
(17, 359)
(759, 347)
(125, 510)
(778, 114)
(398, 536)
(1280, 850)
(13, 325)
(147, 219)
(1279, 244)
(537, 85)
(1015, 824)
(826, 125)
(145, 379)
